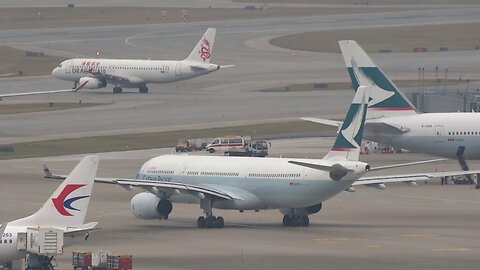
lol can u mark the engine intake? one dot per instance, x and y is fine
(92, 83)
(146, 205)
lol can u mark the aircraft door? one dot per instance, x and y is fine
(439, 130)
(178, 69)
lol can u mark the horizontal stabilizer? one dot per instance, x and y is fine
(336, 170)
(327, 122)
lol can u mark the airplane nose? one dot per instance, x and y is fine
(55, 72)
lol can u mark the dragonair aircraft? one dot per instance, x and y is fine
(128, 73)
(394, 121)
(298, 187)
(65, 210)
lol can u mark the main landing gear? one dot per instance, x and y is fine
(143, 89)
(295, 221)
(209, 221)
(117, 90)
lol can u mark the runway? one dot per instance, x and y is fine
(225, 97)
(427, 227)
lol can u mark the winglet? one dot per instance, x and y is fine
(67, 206)
(203, 50)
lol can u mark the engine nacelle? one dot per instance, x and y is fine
(306, 211)
(92, 83)
(146, 205)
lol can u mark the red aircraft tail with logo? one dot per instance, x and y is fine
(68, 205)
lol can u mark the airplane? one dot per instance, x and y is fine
(43, 92)
(65, 209)
(134, 73)
(297, 187)
(393, 120)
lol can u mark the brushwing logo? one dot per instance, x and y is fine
(205, 50)
(61, 202)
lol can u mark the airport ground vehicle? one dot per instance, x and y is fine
(101, 260)
(252, 149)
(226, 143)
(184, 145)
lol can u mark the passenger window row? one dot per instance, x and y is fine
(220, 173)
(160, 172)
(464, 133)
(276, 175)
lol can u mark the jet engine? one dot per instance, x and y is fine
(302, 211)
(146, 205)
(92, 83)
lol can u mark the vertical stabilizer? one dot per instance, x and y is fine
(386, 99)
(204, 49)
(349, 139)
(68, 205)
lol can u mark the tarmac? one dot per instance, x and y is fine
(427, 227)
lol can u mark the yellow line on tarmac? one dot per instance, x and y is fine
(450, 249)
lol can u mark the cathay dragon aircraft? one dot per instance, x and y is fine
(64, 210)
(135, 73)
(298, 187)
(394, 121)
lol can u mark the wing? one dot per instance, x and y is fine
(115, 78)
(385, 128)
(155, 187)
(372, 180)
(43, 92)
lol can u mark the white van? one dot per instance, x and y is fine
(226, 144)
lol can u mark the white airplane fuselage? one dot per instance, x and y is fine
(138, 72)
(439, 134)
(254, 183)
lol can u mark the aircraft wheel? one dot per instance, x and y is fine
(143, 89)
(201, 222)
(211, 150)
(117, 90)
(220, 222)
(210, 222)
(287, 221)
(305, 221)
